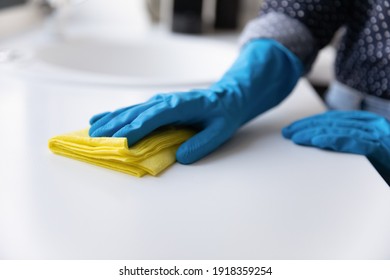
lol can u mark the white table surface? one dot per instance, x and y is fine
(258, 197)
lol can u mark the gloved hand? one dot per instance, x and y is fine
(356, 132)
(263, 75)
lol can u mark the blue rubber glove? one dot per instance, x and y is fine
(356, 132)
(264, 73)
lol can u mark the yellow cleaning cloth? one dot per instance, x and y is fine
(152, 155)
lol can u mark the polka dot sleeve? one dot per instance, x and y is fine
(303, 26)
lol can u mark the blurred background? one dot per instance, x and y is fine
(25, 25)
(186, 16)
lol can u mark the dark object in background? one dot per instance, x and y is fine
(226, 14)
(320, 90)
(187, 16)
(9, 3)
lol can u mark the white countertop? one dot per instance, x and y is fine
(258, 197)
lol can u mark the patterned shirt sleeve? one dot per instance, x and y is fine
(303, 26)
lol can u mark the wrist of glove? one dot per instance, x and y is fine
(356, 132)
(263, 75)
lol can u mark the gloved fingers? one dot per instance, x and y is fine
(352, 115)
(306, 136)
(111, 123)
(104, 120)
(316, 122)
(311, 121)
(97, 117)
(204, 142)
(157, 116)
(337, 115)
(346, 144)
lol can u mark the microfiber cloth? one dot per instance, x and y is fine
(151, 155)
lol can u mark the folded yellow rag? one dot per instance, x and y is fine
(152, 155)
